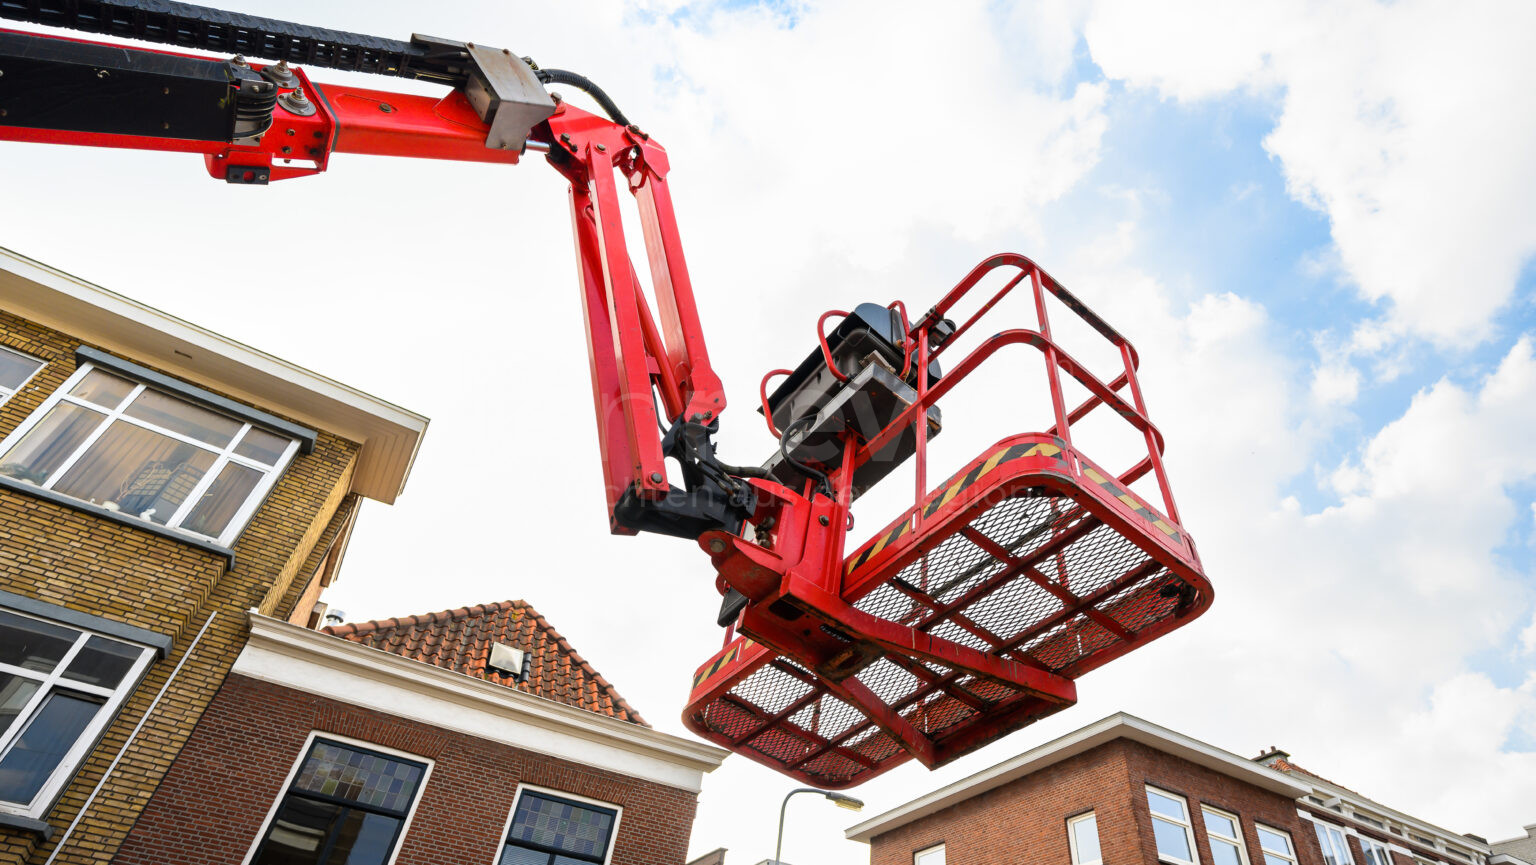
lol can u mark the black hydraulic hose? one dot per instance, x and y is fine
(819, 476)
(582, 82)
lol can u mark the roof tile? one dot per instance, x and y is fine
(460, 640)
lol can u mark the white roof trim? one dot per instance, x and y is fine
(1356, 802)
(1116, 726)
(390, 436)
(317, 663)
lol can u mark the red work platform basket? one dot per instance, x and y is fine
(973, 613)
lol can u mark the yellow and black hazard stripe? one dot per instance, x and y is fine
(956, 485)
(1131, 502)
(715, 666)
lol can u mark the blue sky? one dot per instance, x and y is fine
(1274, 201)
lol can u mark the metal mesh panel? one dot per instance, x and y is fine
(1021, 587)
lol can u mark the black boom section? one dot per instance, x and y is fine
(190, 26)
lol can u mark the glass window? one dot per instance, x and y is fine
(58, 687)
(113, 442)
(1226, 836)
(1276, 846)
(931, 856)
(1083, 837)
(345, 806)
(16, 369)
(1335, 847)
(1376, 853)
(1170, 827)
(552, 830)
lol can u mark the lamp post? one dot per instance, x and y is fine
(838, 799)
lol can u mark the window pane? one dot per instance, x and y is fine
(262, 446)
(101, 388)
(1224, 853)
(1220, 825)
(336, 770)
(14, 694)
(16, 368)
(1272, 859)
(222, 500)
(136, 471)
(103, 662)
(299, 832)
(183, 417)
(930, 857)
(31, 644)
(562, 826)
(516, 854)
(1086, 833)
(1273, 841)
(1331, 854)
(1167, 805)
(304, 830)
(1171, 840)
(41, 747)
(46, 446)
(364, 839)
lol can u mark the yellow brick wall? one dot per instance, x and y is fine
(74, 559)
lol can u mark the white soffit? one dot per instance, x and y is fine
(1117, 726)
(390, 436)
(305, 660)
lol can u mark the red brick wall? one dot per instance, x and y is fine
(214, 801)
(1024, 822)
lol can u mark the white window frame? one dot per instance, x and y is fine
(48, 683)
(223, 457)
(517, 796)
(1187, 825)
(7, 393)
(298, 762)
(1386, 851)
(1072, 838)
(1214, 838)
(1288, 856)
(1342, 840)
(933, 848)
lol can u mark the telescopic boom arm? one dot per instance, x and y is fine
(257, 123)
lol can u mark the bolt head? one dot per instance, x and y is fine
(716, 545)
(657, 477)
(824, 520)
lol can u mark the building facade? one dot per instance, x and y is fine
(1521, 850)
(476, 735)
(156, 482)
(1124, 790)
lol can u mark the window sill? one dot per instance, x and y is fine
(119, 517)
(25, 824)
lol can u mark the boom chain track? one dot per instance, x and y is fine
(190, 26)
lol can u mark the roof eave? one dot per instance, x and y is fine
(390, 436)
(1118, 726)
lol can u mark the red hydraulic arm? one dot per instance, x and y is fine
(970, 615)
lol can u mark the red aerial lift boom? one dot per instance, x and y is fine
(970, 615)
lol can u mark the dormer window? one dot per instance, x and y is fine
(152, 453)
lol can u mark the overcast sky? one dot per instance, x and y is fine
(1313, 219)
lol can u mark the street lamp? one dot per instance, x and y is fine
(838, 799)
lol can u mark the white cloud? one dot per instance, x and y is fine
(1408, 124)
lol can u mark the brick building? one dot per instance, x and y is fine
(156, 482)
(1124, 790)
(476, 735)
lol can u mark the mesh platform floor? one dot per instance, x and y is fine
(1069, 593)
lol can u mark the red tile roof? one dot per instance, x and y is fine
(460, 640)
(1283, 764)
